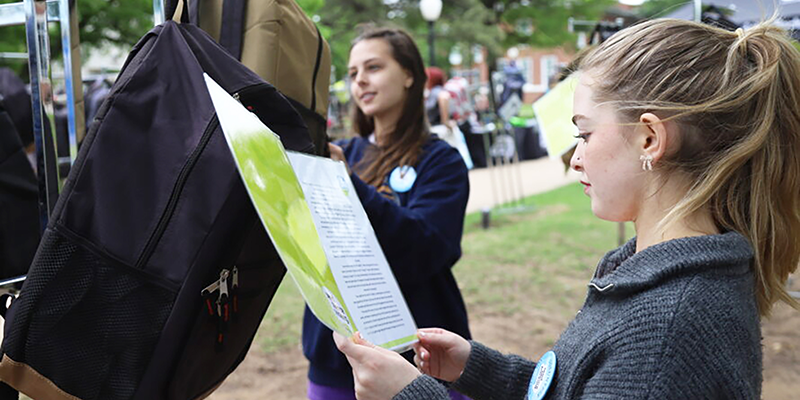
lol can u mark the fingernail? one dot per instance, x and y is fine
(421, 333)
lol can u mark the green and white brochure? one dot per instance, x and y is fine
(312, 213)
(554, 115)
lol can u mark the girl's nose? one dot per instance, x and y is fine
(576, 162)
(360, 78)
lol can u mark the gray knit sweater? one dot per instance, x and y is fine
(677, 320)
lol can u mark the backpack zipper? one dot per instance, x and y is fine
(166, 215)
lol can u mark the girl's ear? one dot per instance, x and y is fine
(409, 79)
(652, 136)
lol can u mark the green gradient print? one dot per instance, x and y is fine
(281, 205)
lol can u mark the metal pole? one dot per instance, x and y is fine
(158, 12)
(431, 38)
(72, 75)
(42, 103)
(518, 169)
(14, 56)
(698, 10)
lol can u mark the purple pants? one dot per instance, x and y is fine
(319, 392)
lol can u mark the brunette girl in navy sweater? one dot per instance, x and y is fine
(414, 189)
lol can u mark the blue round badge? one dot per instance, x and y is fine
(542, 376)
(402, 178)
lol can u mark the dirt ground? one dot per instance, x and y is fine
(281, 375)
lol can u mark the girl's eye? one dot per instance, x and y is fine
(583, 136)
(353, 75)
(373, 67)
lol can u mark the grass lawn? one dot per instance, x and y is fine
(523, 280)
(540, 258)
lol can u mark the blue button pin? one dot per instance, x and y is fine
(402, 178)
(542, 376)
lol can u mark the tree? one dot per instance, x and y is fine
(490, 23)
(494, 24)
(462, 21)
(117, 22)
(337, 20)
(547, 19)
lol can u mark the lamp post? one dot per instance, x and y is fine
(431, 10)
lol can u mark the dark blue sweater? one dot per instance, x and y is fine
(421, 238)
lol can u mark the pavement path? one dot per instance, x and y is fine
(490, 187)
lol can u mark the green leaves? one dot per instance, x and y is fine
(493, 24)
(120, 22)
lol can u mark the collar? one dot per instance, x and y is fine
(623, 270)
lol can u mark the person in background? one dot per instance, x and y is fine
(414, 188)
(513, 83)
(447, 106)
(437, 102)
(691, 132)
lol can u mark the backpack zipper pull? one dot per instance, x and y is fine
(224, 295)
(222, 309)
(235, 291)
(208, 295)
(238, 98)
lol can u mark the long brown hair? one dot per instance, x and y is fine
(735, 97)
(404, 144)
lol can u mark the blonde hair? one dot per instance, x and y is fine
(735, 97)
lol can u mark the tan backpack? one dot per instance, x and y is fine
(278, 41)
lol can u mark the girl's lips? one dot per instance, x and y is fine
(367, 97)
(586, 187)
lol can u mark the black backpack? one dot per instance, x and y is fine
(154, 272)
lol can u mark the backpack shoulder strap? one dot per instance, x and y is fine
(232, 29)
(316, 71)
(194, 12)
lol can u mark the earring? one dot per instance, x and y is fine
(647, 162)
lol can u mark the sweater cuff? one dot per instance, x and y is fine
(423, 387)
(366, 193)
(489, 374)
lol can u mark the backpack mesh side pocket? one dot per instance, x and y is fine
(87, 324)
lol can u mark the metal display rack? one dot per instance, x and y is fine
(36, 16)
